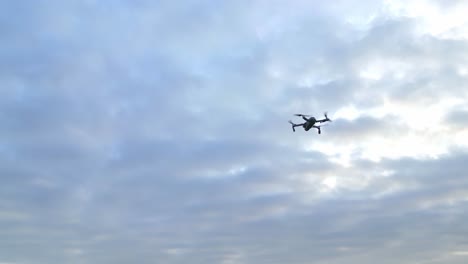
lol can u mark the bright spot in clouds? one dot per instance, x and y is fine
(329, 182)
(436, 19)
(460, 253)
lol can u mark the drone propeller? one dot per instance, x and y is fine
(325, 114)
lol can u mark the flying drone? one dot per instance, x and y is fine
(310, 122)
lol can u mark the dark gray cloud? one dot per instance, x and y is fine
(457, 118)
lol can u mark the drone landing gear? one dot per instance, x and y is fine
(293, 125)
(318, 129)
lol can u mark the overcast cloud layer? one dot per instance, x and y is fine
(156, 132)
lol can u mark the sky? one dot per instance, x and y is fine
(156, 132)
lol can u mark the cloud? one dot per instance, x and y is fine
(147, 131)
(457, 118)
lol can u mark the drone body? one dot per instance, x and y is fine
(310, 122)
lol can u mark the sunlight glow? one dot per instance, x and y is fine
(349, 113)
(421, 117)
(329, 182)
(423, 133)
(443, 22)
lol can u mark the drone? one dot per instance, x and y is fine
(310, 122)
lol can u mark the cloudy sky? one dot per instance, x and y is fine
(156, 132)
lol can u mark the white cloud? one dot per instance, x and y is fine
(441, 19)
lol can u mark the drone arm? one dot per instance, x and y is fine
(326, 119)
